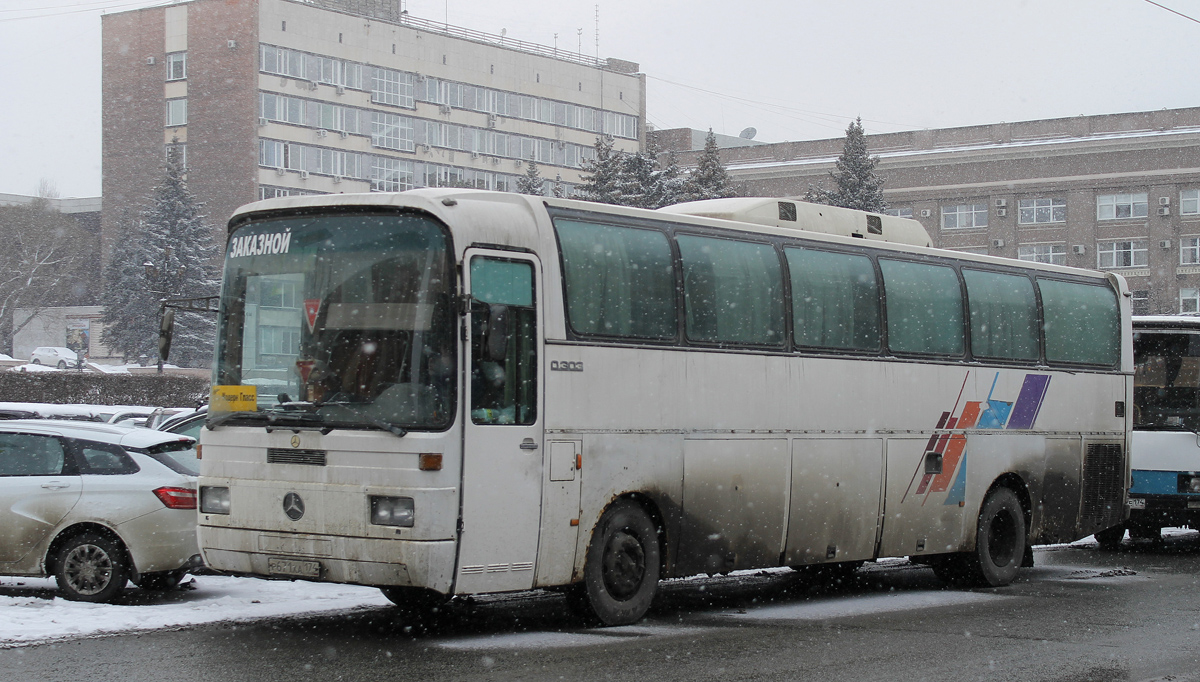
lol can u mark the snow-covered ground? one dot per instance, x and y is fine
(31, 612)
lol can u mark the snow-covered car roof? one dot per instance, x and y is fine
(134, 437)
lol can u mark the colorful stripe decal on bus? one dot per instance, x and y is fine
(1029, 402)
(976, 414)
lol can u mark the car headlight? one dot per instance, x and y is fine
(392, 511)
(214, 499)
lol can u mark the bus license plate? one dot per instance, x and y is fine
(302, 569)
(1137, 503)
(1193, 504)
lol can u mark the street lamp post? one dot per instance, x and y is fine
(155, 276)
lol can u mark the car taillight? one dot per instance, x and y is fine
(177, 498)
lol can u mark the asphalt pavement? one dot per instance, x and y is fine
(1080, 615)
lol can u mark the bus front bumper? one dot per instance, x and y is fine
(359, 561)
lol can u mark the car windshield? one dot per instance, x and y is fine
(340, 320)
(1166, 383)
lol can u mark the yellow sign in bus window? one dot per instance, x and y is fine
(233, 399)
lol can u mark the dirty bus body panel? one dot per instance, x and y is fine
(671, 394)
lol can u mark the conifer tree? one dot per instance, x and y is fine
(603, 183)
(531, 182)
(169, 253)
(637, 178)
(709, 179)
(669, 183)
(856, 185)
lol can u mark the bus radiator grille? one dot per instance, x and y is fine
(285, 456)
(1103, 480)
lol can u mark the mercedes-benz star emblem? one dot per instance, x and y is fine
(295, 441)
(293, 506)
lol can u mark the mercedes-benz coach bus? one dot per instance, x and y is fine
(448, 392)
(1165, 449)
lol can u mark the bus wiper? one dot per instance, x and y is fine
(373, 421)
(213, 422)
(292, 420)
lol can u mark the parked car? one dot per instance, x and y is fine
(96, 505)
(54, 356)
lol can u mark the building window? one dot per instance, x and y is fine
(178, 150)
(1141, 302)
(1054, 254)
(1129, 254)
(392, 87)
(281, 108)
(176, 112)
(1118, 206)
(1189, 251)
(1189, 202)
(1038, 211)
(177, 66)
(899, 212)
(390, 175)
(1189, 300)
(390, 131)
(964, 215)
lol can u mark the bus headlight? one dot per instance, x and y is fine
(392, 511)
(214, 499)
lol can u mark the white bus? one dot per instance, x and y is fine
(1165, 450)
(448, 392)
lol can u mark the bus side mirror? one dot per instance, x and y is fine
(165, 329)
(497, 333)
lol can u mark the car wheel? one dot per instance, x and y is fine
(161, 582)
(620, 573)
(62, 364)
(90, 567)
(999, 545)
(1110, 538)
(35, 361)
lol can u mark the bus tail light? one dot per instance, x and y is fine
(177, 498)
(214, 499)
(392, 511)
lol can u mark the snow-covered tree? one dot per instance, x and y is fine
(168, 253)
(856, 185)
(636, 179)
(531, 182)
(670, 185)
(603, 182)
(709, 179)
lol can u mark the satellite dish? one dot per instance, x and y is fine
(748, 134)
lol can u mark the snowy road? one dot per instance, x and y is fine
(1080, 614)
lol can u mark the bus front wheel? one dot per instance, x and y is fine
(999, 545)
(620, 573)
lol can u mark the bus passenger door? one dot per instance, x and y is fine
(502, 434)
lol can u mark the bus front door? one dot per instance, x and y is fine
(502, 436)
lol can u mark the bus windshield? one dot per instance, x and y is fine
(340, 321)
(1166, 394)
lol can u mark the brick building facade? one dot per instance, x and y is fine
(1117, 192)
(278, 97)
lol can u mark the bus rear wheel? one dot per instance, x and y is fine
(620, 573)
(999, 545)
(1110, 538)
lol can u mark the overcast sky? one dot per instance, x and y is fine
(792, 69)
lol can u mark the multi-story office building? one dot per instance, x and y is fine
(269, 98)
(1118, 192)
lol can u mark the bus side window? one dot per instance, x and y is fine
(503, 342)
(1082, 323)
(924, 308)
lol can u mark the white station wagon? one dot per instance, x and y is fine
(96, 505)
